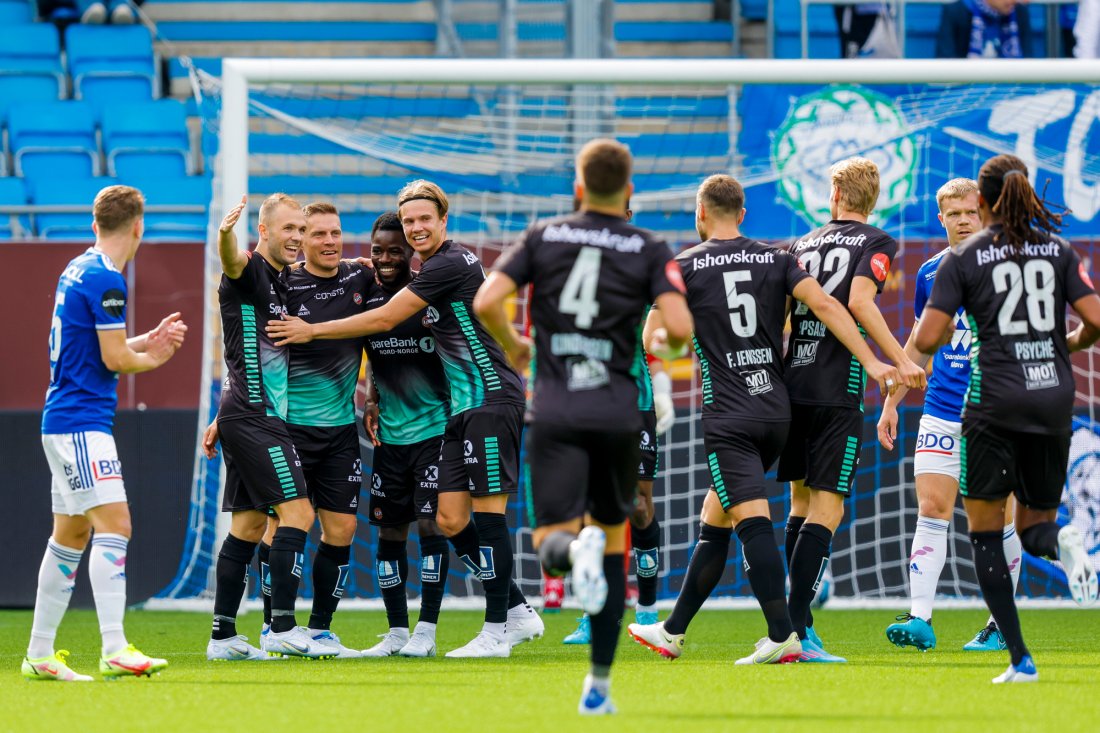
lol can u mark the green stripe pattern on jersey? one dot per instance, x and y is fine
(319, 400)
(492, 463)
(640, 370)
(857, 378)
(704, 372)
(251, 345)
(974, 388)
(411, 415)
(469, 380)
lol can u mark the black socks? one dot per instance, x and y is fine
(708, 562)
(435, 560)
(605, 624)
(647, 544)
(808, 563)
(998, 588)
(231, 573)
(286, 561)
(392, 570)
(330, 574)
(766, 574)
(496, 565)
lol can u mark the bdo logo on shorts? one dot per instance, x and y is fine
(936, 443)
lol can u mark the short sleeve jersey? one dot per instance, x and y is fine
(592, 276)
(412, 388)
(323, 373)
(819, 369)
(737, 291)
(1020, 376)
(91, 297)
(951, 364)
(256, 369)
(477, 372)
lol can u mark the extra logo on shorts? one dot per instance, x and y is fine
(356, 476)
(468, 452)
(431, 478)
(376, 486)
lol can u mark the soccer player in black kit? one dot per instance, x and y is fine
(261, 466)
(825, 382)
(739, 293)
(1015, 278)
(479, 460)
(406, 417)
(592, 274)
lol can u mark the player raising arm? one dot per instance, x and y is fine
(738, 291)
(479, 463)
(1014, 279)
(88, 350)
(851, 260)
(592, 274)
(262, 469)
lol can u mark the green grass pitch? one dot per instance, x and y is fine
(883, 688)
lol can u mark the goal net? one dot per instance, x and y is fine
(500, 136)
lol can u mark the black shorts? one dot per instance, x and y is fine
(332, 464)
(405, 484)
(996, 463)
(262, 468)
(739, 453)
(823, 447)
(647, 466)
(480, 451)
(574, 472)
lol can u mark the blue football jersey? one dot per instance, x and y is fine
(91, 297)
(951, 364)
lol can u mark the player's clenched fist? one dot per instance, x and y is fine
(233, 216)
(887, 377)
(912, 376)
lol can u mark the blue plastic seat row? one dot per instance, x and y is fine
(107, 64)
(190, 191)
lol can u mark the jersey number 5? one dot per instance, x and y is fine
(1037, 282)
(742, 306)
(578, 296)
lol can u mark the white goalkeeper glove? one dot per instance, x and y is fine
(662, 402)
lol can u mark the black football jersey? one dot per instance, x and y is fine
(1020, 377)
(593, 276)
(737, 290)
(323, 373)
(819, 369)
(477, 371)
(412, 388)
(256, 370)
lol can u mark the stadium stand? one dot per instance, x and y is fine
(53, 140)
(13, 194)
(30, 65)
(147, 139)
(111, 64)
(72, 193)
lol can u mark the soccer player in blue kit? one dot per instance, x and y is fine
(88, 350)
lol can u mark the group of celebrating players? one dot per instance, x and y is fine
(446, 411)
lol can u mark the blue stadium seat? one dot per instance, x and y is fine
(145, 139)
(824, 40)
(15, 12)
(55, 140)
(30, 66)
(111, 64)
(174, 191)
(59, 191)
(13, 193)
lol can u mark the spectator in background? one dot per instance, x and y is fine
(866, 30)
(91, 12)
(984, 29)
(1087, 30)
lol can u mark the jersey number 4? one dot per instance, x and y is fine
(578, 296)
(1036, 281)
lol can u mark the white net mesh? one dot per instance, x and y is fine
(504, 154)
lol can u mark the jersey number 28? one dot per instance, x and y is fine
(1036, 282)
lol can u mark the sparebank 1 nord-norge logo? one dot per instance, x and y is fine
(837, 123)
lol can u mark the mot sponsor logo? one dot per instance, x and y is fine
(805, 351)
(757, 381)
(1040, 375)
